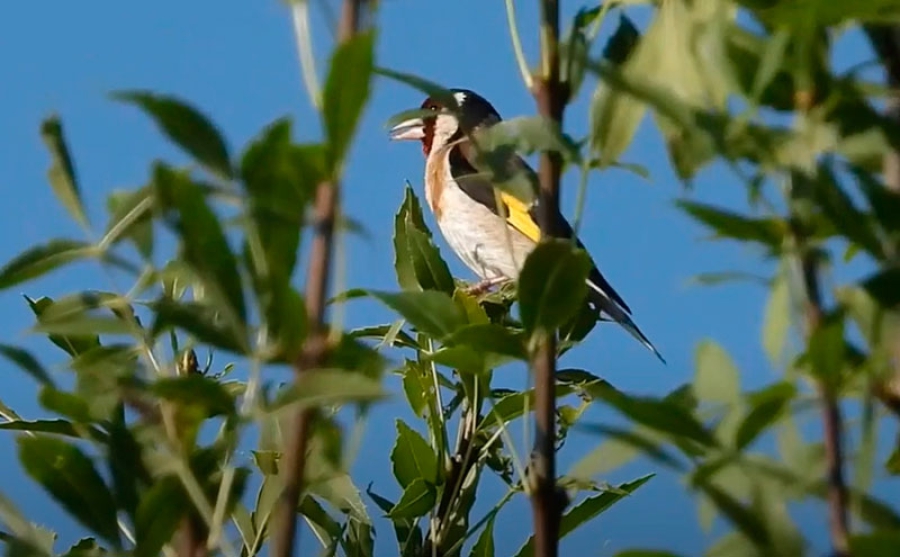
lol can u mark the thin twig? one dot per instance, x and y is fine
(550, 97)
(315, 349)
(517, 43)
(832, 421)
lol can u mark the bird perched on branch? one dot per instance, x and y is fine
(490, 229)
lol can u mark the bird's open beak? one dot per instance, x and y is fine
(408, 130)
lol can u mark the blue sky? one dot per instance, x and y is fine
(237, 62)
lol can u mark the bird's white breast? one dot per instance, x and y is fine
(482, 239)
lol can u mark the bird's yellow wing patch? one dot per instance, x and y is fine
(519, 217)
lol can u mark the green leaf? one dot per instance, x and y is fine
(527, 135)
(430, 88)
(196, 390)
(41, 259)
(484, 545)
(69, 476)
(766, 407)
(131, 217)
(587, 510)
(827, 349)
(885, 543)
(418, 500)
(62, 170)
(433, 313)
(100, 374)
(646, 553)
(717, 378)
(621, 447)
(71, 345)
(417, 260)
(27, 362)
(884, 202)
(58, 427)
(327, 387)
(407, 532)
(318, 518)
(188, 128)
(415, 389)
(489, 338)
(158, 515)
(280, 179)
(743, 518)
(412, 457)
(513, 406)
(622, 42)
(86, 547)
(884, 286)
(126, 467)
(30, 539)
(728, 224)
(65, 404)
(345, 93)
(839, 208)
(777, 319)
(552, 285)
(203, 241)
(200, 320)
(662, 415)
(614, 114)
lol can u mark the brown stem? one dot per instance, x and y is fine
(549, 95)
(315, 349)
(838, 501)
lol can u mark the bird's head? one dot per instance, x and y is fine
(445, 124)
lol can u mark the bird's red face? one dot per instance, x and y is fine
(421, 128)
(443, 126)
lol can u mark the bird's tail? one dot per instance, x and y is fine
(605, 305)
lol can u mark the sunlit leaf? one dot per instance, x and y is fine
(717, 378)
(41, 259)
(484, 545)
(417, 260)
(777, 318)
(412, 458)
(417, 500)
(431, 312)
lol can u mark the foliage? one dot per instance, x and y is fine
(141, 446)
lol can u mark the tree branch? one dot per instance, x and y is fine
(315, 349)
(831, 419)
(549, 95)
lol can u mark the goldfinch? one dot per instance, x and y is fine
(492, 241)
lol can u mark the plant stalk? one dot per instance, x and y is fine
(315, 348)
(832, 420)
(550, 98)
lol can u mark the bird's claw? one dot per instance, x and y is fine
(480, 288)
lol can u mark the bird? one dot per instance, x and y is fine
(489, 229)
